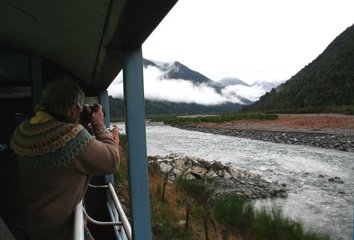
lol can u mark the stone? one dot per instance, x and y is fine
(204, 163)
(235, 173)
(216, 166)
(164, 167)
(220, 173)
(338, 180)
(198, 171)
(177, 172)
(210, 174)
(190, 177)
(179, 163)
(227, 175)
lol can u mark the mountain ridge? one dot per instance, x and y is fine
(177, 70)
(152, 107)
(326, 81)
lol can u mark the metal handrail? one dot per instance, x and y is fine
(79, 222)
(98, 186)
(124, 220)
(90, 219)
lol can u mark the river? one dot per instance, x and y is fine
(320, 182)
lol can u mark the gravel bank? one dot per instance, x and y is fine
(342, 142)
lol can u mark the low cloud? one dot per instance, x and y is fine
(252, 93)
(179, 90)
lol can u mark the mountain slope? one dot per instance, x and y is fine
(177, 89)
(232, 81)
(231, 89)
(328, 80)
(117, 109)
(177, 70)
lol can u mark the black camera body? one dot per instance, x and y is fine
(93, 108)
(85, 115)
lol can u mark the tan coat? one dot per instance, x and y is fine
(54, 186)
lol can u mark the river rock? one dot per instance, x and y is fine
(165, 167)
(198, 171)
(336, 180)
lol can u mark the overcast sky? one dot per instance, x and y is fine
(249, 39)
(253, 40)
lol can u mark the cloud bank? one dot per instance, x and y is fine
(179, 90)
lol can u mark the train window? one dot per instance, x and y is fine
(15, 92)
(14, 66)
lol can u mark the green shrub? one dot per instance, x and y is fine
(164, 223)
(196, 189)
(241, 217)
(229, 210)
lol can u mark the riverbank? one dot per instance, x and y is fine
(192, 198)
(220, 178)
(315, 197)
(331, 131)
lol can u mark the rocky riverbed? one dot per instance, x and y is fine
(224, 178)
(343, 142)
(331, 131)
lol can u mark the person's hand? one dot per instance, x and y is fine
(97, 118)
(115, 133)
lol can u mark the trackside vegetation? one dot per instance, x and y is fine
(225, 117)
(243, 219)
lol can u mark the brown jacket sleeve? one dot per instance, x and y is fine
(99, 156)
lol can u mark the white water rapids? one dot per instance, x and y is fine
(321, 204)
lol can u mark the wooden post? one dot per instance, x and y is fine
(206, 228)
(225, 234)
(187, 215)
(163, 191)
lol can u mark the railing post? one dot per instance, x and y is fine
(136, 137)
(104, 100)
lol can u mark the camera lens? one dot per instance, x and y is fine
(94, 108)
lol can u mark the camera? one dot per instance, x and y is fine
(93, 108)
(85, 115)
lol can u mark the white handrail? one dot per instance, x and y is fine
(124, 219)
(98, 186)
(79, 222)
(90, 219)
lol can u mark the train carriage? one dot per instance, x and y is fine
(94, 41)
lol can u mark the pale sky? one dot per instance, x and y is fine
(253, 40)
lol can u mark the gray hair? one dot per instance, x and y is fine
(60, 94)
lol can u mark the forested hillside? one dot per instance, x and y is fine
(164, 107)
(325, 85)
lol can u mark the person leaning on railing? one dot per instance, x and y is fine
(57, 157)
